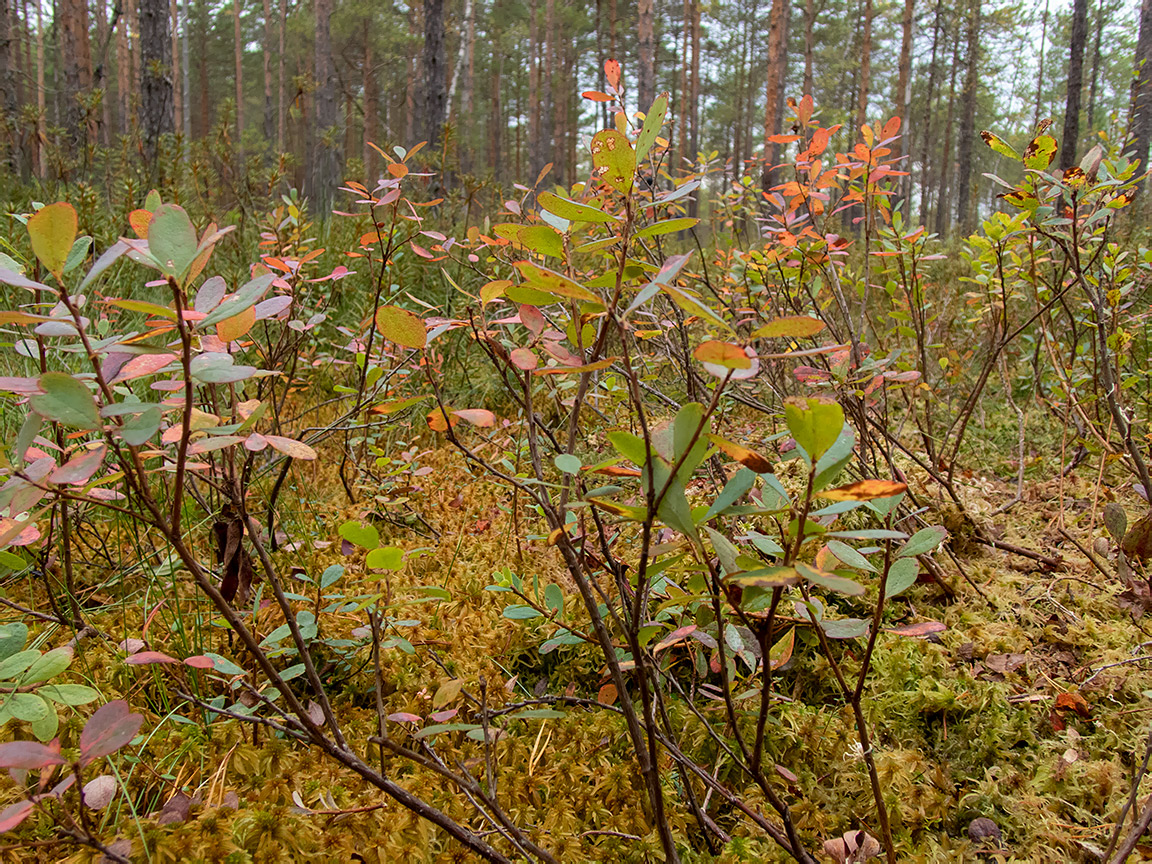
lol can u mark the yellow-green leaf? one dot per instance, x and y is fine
(401, 326)
(52, 230)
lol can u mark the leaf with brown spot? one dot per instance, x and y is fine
(864, 490)
(607, 694)
(1137, 542)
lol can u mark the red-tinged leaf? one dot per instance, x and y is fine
(791, 327)
(524, 359)
(677, 635)
(421, 251)
(143, 365)
(29, 755)
(783, 139)
(140, 220)
(723, 354)
(290, 447)
(924, 628)
(477, 416)
(199, 661)
(79, 470)
(148, 658)
(398, 170)
(404, 717)
(23, 386)
(401, 326)
(864, 490)
(607, 694)
(596, 96)
(745, 456)
(255, 442)
(110, 728)
(12, 815)
(890, 128)
(612, 73)
(533, 319)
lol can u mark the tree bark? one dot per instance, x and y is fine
(1040, 77)
(1140, 118)
(1069, 146)
(177, 93)
(809, 44)
(433, 73)
(965, 213)
(904, 92)
(323, 174)
(269, 50)
(865, 68)
(76, 57)
(943, 206)
(156, 105)
(646, 44)
(496, 108)
(238, 39)
(1092, 88)
(535, 148)
(371, 103)
(774, 86)
(926, 131)
(281, 61)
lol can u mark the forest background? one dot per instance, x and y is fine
(569, 432)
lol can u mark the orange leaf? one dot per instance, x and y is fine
(864, 490)
(722, 354)
(745, 456)
(436, 420)
(140, 220)
(596, 96)
(398, 169)
(607, 694)
(231, 329)
(612, 73)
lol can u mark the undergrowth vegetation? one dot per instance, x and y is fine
(594, 529)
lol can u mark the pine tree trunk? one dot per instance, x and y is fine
(694, 91)
(904, 91)
(965, 213)
(1092, 89)
(865, 68)
(177, 92)
(496, 108)
(411, 130)
(123, 76)
(926, 131)
(774, 77)
(1041, 77)
(646, 44)
(371, 103)
(1070, 145)
(1140, 118)
(238, 39)
(269, 50)
(535, 154)
(76, 58)
(809, 44)
(323, 174)
(7, 70)
(202, 70)
(943, 207)
(281, 62)
(683, 106)
(156, 105)
(433, 73)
